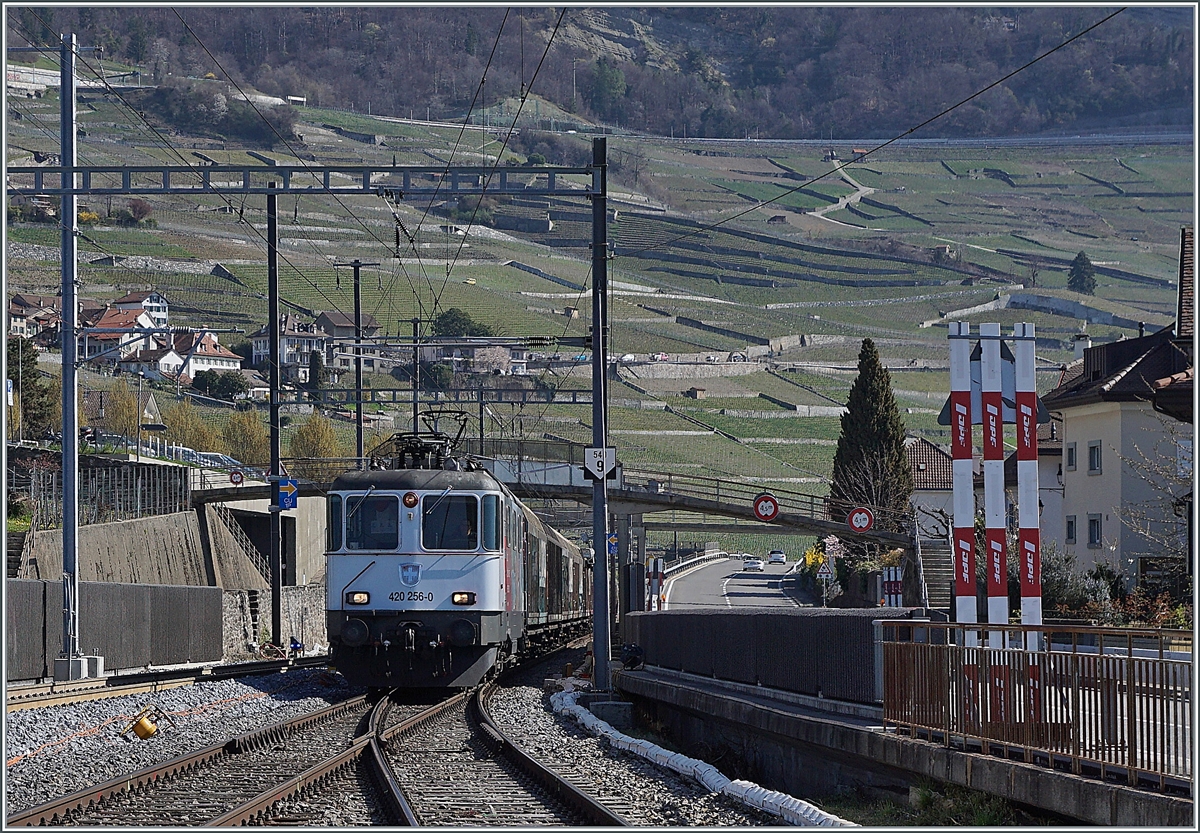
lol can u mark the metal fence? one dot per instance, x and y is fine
(116, 493)
(1107, 701)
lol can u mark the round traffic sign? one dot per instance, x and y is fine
(766, 507)
(236, 477)
(860, 519)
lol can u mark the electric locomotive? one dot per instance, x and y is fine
(436, 574)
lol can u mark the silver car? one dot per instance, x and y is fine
(753, 565)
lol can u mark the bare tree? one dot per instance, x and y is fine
(1164, 462)
(490, 359)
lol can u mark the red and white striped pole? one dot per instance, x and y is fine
(995, 539)
(966, 606)
(1028, 515)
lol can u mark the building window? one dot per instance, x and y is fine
(1070, 529)
(1095, 532)
(1094, 449)
(1070, 456)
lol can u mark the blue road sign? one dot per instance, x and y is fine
(612, 543)
(289, 494)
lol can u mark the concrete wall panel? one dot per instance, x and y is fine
(807, 651)
(26, 635)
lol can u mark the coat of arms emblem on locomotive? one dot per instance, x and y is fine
(410, 574)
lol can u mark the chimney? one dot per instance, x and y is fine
(1082, 342)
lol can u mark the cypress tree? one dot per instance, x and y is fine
(36, 397)
(870, 467)
(1082, 275)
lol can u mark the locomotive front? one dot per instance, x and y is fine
(422, 577)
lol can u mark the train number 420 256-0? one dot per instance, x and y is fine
(410, 596)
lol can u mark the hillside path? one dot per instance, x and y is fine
(860, 192)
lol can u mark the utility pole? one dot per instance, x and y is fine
(70, 666)
(601, 615)
(357, 265)
(416, 371)
(274, 360)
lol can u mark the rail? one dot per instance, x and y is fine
(1105, 702)
(590, 808)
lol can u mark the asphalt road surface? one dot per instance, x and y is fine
(725, 584)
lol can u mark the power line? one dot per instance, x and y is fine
(291, 150)
(906, 133)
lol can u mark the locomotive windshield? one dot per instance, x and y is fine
(450, 522)
(372, 523)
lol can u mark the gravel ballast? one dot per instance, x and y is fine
(57, 750)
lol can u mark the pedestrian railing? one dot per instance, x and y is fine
(1108, 702)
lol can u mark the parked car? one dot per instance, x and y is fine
(753, 565)
(659, 357)
(627, 358)
(710, 359)
(738, 357)
(777, 557)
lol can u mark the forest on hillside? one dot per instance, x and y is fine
(772, 72)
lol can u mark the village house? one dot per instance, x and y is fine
(298, 340)
(1126, 467)
(340, 328)
(160, 364)
(121, 339)
(151, 302)
(201, 351)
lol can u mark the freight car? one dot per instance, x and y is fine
(437, 575)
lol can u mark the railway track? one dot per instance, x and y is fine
(218, 785)
(456, 768)
(449, 765)
(58, 693)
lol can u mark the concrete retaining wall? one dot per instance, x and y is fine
(807, 755)
(165, 549)
(699, 370)
(246, 619)
(1044, 303)
(720, 329)
(178, 549)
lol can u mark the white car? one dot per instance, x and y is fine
(777, 557)
(753, 565)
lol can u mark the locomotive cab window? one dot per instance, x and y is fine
(372, 522)
(491, 522)
(450, 522)
(335, 522)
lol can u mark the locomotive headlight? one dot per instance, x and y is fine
(410, 499)
(462, 598)
(358, 597)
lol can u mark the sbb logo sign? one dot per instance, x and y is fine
(860, 519)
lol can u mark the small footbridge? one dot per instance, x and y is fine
(631, 492)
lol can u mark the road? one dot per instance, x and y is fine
(724, 584)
